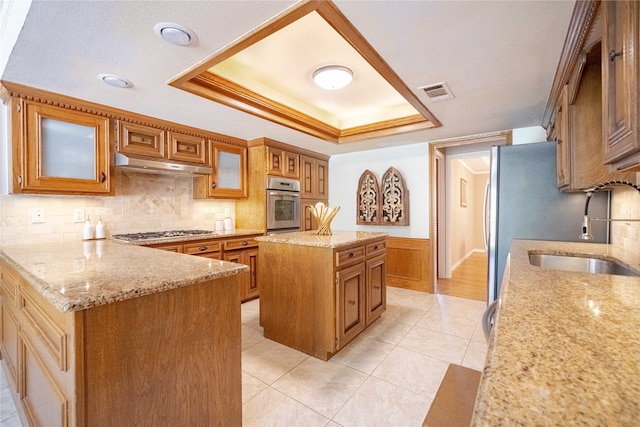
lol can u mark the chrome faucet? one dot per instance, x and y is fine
(586, 221)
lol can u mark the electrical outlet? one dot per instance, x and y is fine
(37, 215)
(78, 215)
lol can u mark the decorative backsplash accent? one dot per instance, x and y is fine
(142, 202)
(387, 204)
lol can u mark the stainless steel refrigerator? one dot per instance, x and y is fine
(524, 202)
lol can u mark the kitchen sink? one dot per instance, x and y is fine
(579, 264)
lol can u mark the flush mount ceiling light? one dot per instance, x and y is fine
(175, 34)
(115, 81)
(332, 77)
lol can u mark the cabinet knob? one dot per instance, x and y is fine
(245, 243)
(352, 302)
(202, 248)
(613, 54)
(351, 255)
(375, 247)
(376, 287)
(213, 184)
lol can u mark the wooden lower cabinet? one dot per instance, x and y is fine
(241, 250)
(249, 283)
(141, 361)
(376, 296)
(350, 315)
(317, 299)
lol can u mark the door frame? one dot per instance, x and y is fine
(437, 226)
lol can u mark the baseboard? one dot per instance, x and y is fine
(464, 258)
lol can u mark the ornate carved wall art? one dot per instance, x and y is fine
(368, 199)
(387, 204)
(395, 199)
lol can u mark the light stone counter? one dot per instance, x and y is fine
(79, 275)
(565, 348)
(336, 240)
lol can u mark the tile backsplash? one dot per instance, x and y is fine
(142, 202)
(626, 204)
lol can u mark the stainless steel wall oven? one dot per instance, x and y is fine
(283, 204)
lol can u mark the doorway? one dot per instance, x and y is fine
(460, 171)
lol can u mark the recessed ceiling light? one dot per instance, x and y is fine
(115, 81)
(332, 77)
(175, 34)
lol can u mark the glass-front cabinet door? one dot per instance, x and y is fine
(60, 151)
(229, 177)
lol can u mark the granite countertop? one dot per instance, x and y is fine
(336, 240)
(239, 232)
(565, 347)
(79, 275)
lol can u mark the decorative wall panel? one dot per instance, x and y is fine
(395, 199)
(368, 199)
(387, 204)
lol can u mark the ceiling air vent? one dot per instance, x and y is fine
(437, 92)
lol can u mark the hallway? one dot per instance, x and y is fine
(468, 280)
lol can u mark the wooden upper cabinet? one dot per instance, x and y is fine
(149, 141)
(314, 178)
(229, 177)
(57, 150)
(620, 82)
(275, 158)
(578, 117)
(187, 148)
(283, 163)
(140, 140)
(291, 165)
(561, 125)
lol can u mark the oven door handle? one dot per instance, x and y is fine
(283, 193)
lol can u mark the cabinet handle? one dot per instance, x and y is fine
(376, 287)
(245, 243)
(352, 302)
(613, 54)
(103, 177)
(202, 248)
(213, 184)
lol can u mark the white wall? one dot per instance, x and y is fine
(412, 161)
(529, 135)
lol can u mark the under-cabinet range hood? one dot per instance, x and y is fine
(139, 164)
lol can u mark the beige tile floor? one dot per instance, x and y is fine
(387, 376)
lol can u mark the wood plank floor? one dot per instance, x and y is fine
(468, 280)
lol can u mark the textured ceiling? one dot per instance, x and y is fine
(498, 58)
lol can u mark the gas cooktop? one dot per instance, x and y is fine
(131, 237)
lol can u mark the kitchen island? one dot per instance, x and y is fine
(101, 333)
(319, 292)
(565, 346)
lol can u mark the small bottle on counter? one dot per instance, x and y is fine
(87, 232)
(100, 229)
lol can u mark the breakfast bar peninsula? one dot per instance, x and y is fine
(99, 333)
(318, 292)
